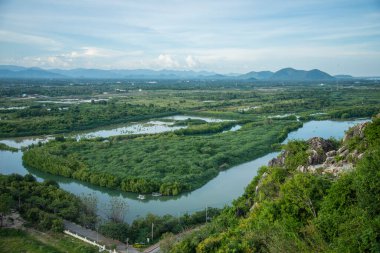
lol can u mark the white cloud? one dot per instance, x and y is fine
(167, 61)
(191, 62)
(94, 52)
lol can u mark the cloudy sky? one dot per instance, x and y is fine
(337, 36)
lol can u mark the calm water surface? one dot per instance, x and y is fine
(218, 192)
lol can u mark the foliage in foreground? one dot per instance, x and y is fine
(301, 212)
(166, 163)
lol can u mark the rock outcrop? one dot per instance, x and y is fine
(279, 160)
(356, 131)
(323, 158)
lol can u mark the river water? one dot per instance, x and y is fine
(218, 192)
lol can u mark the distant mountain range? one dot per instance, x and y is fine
(286, 74)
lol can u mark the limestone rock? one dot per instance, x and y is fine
(318, 143)
(278, 161)
(331, 153)
(316, 157)
(344, 153)
(329, 160)
(341, 150)
(302, 169)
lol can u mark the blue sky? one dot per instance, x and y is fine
(337, 36)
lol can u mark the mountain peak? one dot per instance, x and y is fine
(290, 74)
(285, 74)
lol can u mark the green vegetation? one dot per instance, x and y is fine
(169, 163)
(287, 211)
(40, 119)
(59, 107)
(189, 122)
(14, 241)
(42, 205)
(193, 129)
(7, 148)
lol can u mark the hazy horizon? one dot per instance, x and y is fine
(338, 37)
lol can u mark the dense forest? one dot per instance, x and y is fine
(285, 209)
(177, 162)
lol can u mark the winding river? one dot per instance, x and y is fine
(218, 192)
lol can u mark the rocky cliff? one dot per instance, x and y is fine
(324, 158)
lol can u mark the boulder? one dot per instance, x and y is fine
(355, 154)
(302, 169)
(341, 150)
(279, 160)
(329, 160)
(316, 157)
(344, 153)
(331, 153)
(318, 143)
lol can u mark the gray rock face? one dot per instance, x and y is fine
(322, 158)
(329, 160)
(318, 149)
(278, 161)
(318, 143)
(356, 131)
(331, 153)
(341, 150)
(315, 157)
(344, 153)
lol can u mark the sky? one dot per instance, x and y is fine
(336, 36)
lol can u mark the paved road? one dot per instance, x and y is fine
(153, 249)
(95, 236)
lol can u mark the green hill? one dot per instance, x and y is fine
(289, 207)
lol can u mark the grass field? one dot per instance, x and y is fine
(17, 241)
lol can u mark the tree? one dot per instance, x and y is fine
(90, 202)
(118, 231)
(301, 195)
(166, 242)
(90, 207)
(6, 203)
(118, 207)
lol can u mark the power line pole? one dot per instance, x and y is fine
(152, 231)
(206, 213)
